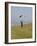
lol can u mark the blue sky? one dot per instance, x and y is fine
(26, 13)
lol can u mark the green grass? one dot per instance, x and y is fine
(21, 33)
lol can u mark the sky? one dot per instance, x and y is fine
(26, 13)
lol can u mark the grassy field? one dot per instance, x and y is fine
(21, 33)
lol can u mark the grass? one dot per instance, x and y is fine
(21, 33)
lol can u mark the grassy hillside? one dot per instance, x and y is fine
(20, 33)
